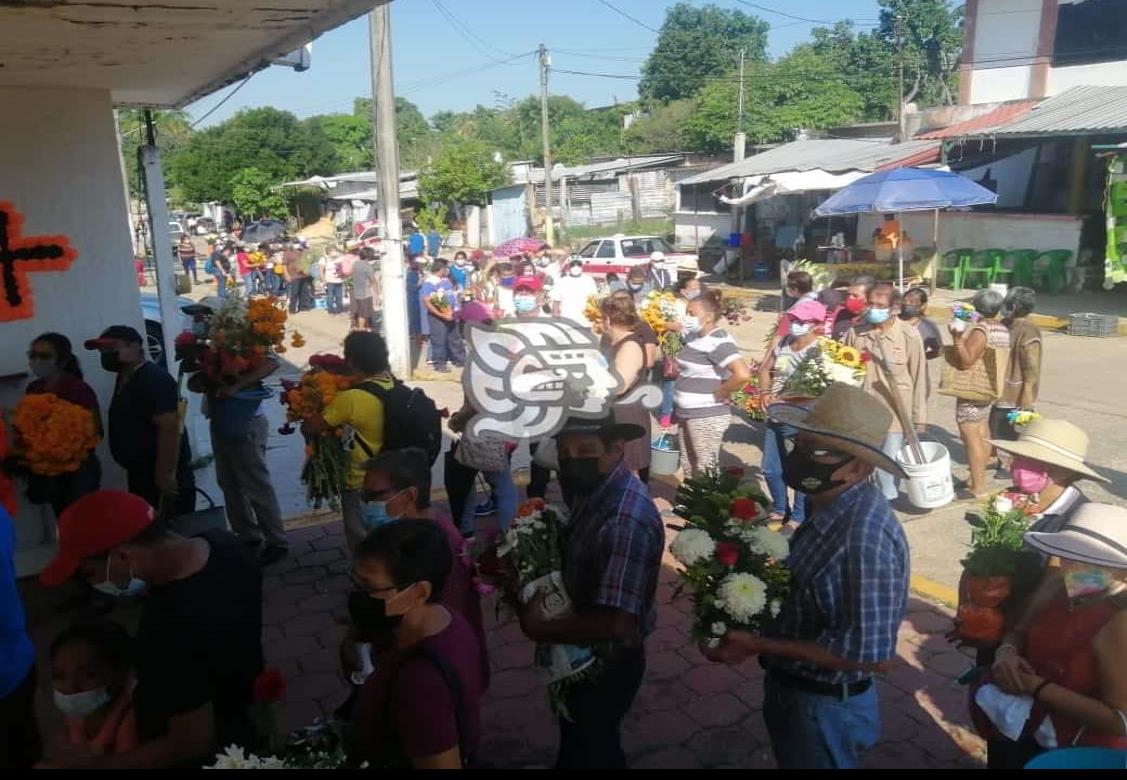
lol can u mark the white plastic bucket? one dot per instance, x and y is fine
(665, 455)
(1001, 289)
(928, 484)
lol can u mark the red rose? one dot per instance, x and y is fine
(866, 357)
(727, 553)
(185, 339)
(736, 471)
(269, 686)
(744, 509)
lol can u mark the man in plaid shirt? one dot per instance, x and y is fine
(849, 588)
(612, 557)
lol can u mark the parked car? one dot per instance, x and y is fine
(154, 325)
(175, 230)
(619, 253)
(205, 225)
(370, 237)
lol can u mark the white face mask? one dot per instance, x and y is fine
(134, 588)
(800, 329)
(83, 703)
(690, 324)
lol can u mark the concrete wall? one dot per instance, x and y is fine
(1101, 74)
(59, 165)
(982, 230)
(693, 230)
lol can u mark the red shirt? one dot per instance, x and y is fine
(69, 388)
(244, 263)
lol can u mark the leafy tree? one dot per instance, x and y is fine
(463, 172)
(431, 217)
(865, 63)
(351, 138)
(698, 43)
(932, 42)
(802, 90)
(661, 129)
(413, 132)
(172, 132)
(253, 197)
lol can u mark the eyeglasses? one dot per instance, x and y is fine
(33, 355)
(359, 583)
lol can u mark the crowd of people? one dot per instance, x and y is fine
(416, 654)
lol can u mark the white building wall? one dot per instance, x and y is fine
(59, 167)
(1005, 39)
(693, 229)
(999, 84)
(1100, 74)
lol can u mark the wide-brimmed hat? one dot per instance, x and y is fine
(1056, 442)
(607, 426)
(847, 419)
(1095, 534)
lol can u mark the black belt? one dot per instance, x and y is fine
(836, 690)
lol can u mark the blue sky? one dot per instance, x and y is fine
(441, 66)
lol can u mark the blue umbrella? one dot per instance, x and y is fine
(906, 189)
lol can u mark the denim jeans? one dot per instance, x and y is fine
(446, 342)
(459, 482)
(774, 441)
(810, 731)
(888, 484)
(592, 738)
(667, 396)
(220, 285)
(334, 297)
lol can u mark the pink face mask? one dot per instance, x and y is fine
(1030, 477)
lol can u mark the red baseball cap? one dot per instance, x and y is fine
(92, 525)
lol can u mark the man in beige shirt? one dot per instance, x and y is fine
(897, 349)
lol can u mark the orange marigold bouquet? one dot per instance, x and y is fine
(54, 436)
(326, 461)
(236, 339)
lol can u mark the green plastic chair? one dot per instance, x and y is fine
(953, 264)
(1050, 270)
(983, 264)
(1022, 260)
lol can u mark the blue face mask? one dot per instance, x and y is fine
(373, 514)
(877, 316)
(524, 304)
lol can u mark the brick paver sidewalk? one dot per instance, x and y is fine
(689, 713)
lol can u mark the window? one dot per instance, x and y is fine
(589, 250)
(606, 249)
(1090, 31)
(636, 248)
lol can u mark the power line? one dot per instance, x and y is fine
(466, 33)
(634, 19)
(229, 95)
(765, 9)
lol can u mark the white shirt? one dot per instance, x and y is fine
(571, 293)
(330, 270)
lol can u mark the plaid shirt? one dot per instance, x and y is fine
(615, 540)
(849, 571)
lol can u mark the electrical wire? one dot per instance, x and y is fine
(634, 19)
(468, 35)
(765, 9)
(229, 95)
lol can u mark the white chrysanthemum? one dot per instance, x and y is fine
(776, 608)
(692, 545)
(742, 596)
(235, 757)
(719, 628)
(767, 542)
(843, 374)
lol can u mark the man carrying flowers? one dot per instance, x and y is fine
(849, 588)
(611, 558)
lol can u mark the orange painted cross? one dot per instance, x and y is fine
(20, 256)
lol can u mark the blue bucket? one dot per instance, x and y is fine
(1080, 758)
(230, 417)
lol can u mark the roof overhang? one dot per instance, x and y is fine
(161, 55)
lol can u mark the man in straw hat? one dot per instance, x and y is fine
(611, 562)
(1049, 457)
(849, 571)
(1066, 664)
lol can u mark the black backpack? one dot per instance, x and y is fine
(410, 419)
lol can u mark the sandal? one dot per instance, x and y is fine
(776, 517)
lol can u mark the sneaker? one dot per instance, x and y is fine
(443, 369)
(485, 508)
(272, 554)
(666, 420)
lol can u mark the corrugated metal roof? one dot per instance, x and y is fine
(834, 155)
(1078, 111)
(984, 123)
(536, 175)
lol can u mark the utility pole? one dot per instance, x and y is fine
(740, 114)
(545, 63)
(900, 130)
(393, 287)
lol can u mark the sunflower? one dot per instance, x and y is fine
(848, 356)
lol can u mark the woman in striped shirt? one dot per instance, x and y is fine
(710, 369)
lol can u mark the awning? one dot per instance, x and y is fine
(791, 182)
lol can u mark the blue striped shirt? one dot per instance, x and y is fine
(849, 584)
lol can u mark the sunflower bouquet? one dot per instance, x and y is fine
(733, 565)
(439, 301)
(828, 363)
(326, 460)
(593, 312)
(748, 400)
(659, 311)
(54, 436)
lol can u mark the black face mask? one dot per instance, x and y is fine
(580, 475)
(111, 361)
(908, 312)
(370, 617)
(804, 474)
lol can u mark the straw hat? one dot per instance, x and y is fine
(845, 418)
(1095, 534)
(1056, 442)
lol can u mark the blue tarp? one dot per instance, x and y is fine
(906, 189)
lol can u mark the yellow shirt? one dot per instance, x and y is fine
(363, 413)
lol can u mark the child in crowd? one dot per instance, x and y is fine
(92, 677)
